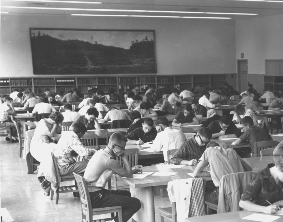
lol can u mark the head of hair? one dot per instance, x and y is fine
(68, 106)
(212, 144)
(93, 111)
(31, 94)
(57, 117)
(79, 127)
(225, 119)
(93, 101)
(188, 107)
(135, 115)
(15, 90)
(250, 85)
(249, 91)
(47, 90)
(205, 132)
(240, 109)
(247, 121)
(178, 104)
(148, 121)
(163, 121)
(206, 93)
(130, 94)
(194, 101)
(74, 89)
(244, 94)
(175, 91)
(100, 92)
(145, 105)
(137, 98)
(117, 138)
(7, 98)
(20, 95)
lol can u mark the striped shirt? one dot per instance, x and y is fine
(189, 150)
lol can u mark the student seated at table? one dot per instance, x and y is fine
(186, 95)
(240, 112)
(135, 116)
(144, 134)
(204, 101)
(222, 162)
(129, 99)
(266, 188)
(137, 100)
(211, 116)
(198, 109)
(68, 144)
(89, 119)
(42, 107)
(255, 105)
(148, 98)
(52, 101)
(191, 150)
(69, 115)
(223, 126)
(85, 101)
(167, 138)
(91, 104)
(247, 98)
(100, 95)
(6, 111)
(31, 102)
(267, 96)
(198, 89)
(278, 151)
(252, 133)
(112, 97)
(185, 117)
(277, 103)
(99, 170)
(59, 96)
(146, 111)
(164, 106)
(99, 106)
(71, 97)
(115, 114)
(174, 97)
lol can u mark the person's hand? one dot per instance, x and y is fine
(139, 142)
(222, 133)
(234, 143)
(137, 169)
(136, 120)
(193, 162)
(271, 209)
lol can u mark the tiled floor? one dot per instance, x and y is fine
(22, 195)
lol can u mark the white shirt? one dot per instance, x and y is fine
(84, 109)
(205, 102)
(14, 95)
(43, 108)
(70, 116)
(116, 114)
(172, 99)
(268, 96)
(186, 94)
(84, 102)
(31, 102)
(249, 113)
(101, 107)
(4, 111)
(168, 139)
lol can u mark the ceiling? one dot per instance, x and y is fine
(143, 8)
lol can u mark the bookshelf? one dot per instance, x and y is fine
(121, 84)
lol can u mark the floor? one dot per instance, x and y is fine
(23, 197)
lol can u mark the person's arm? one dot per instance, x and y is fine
(77, 146)
(195, 121)
(26, 105)
(236, 142)
(179, 158)
(97, 125)
(198, 172)
(107, 117)
(133, 137)
(216, 135)
(250, 206)
(64, 98)
(176, 123)
(246, 166)
(278, 151)
(157, 143)
(52, 108)
(209, 104)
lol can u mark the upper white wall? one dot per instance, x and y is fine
(259, 39)
(183, 46)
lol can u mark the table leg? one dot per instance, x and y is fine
(147, 212)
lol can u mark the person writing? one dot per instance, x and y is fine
(185, 117)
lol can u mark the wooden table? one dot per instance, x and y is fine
(224, 109)
(143, 188)
(20, 110)
(118, 130)
(24, 118)
(277, 137)
(265, 105)
(227, 217)
(270, 114)
(145, 154)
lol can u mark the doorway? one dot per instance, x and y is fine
(242, 70)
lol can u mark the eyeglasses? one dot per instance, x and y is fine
(121, 147)
(203, 142)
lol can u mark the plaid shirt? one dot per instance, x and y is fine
(188, 151)
(197, 197)
(68, 143)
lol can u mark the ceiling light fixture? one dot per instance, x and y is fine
(54, 1)
(125, 10)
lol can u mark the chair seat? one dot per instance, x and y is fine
(167, 211)
(67, 178)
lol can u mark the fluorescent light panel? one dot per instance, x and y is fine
(54, 1)
(150, 16)
(260, 1)
(125, 10)
(4, 12)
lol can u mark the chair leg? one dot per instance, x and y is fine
(57, 196)
(51, 194)
(120, 215)
(161, 218)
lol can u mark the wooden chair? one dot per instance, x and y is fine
(90, 140)
(132, 155)
(8, 130)
(59, 179)
(87, 211)
(267, 152)
(66, 126)
(258, 146)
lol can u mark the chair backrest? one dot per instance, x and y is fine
(122, 123)
(170, 153)
(258, 146)
(85, 199)
(58, 177)
(20, 137)
(40, 116)
(66, 126)
(90, 140)
(132, 155)
(229, 184)
(267, 152)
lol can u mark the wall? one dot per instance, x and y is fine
(182, 46)
(259, 39)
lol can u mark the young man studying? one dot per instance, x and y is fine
(191, 150)
(99, 169)
(185, 117)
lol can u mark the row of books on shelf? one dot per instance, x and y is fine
(146, 80)
(165, 80)
(43, 82)
(128, 81)
(87, 81)
(20, 82)
(108, 81)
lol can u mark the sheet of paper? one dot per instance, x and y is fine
(147, 150)
(164, 174)
(261, 217)
(142, 175)
(146, 145)
(191, 174)
(279, 212)
(224, 139)
(6, 216)
(173, 166)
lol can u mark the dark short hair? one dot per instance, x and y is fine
(247, 121)
(188, 107)
(145, 105)
(225, 119)
(162, 120)
(175, 91)
(137, 97)
(20, 94)
(135, 115)
(93, 111)
(79, 127)
(205, 93)
(31, 94)
(240, 109)
(148, 121)
(100, 92)
(130, 94)
(57, 117)
(47, 90)
(212, 144)
(195, 101)
(205, 132)
(117, 137)
(68, 106)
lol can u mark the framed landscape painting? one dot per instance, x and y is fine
(77, 51)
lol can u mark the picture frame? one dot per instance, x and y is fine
(92, 51)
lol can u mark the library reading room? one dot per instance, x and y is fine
(141, 111)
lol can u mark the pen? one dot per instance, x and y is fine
(141, 140)
(277, 208)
